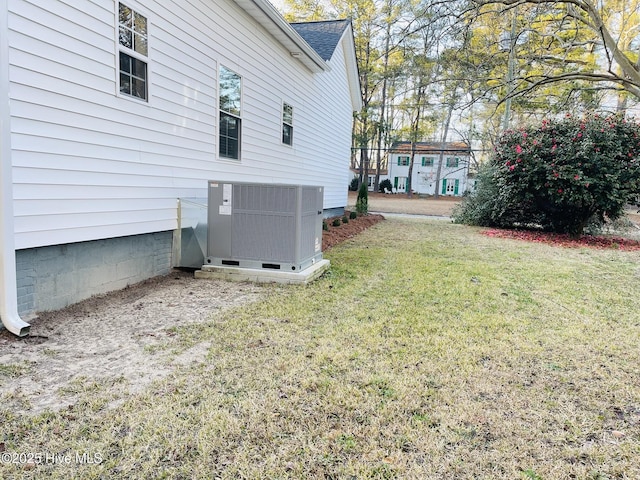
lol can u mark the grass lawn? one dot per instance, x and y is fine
(429, 351)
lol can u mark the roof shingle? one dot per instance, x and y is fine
(322, 36)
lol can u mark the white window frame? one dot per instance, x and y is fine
(132, 53)
(237, 116)
(428, 161)
(288, 124)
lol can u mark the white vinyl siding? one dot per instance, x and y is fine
(90, 164)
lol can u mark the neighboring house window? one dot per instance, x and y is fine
(400, 183)
(403, 161)
(427, 161)
(287, 124)
(133, 58)
(230, 85)
(450, 186)
(452, 162)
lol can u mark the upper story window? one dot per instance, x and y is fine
(133, 52)
(403, 161)
(427, 161)
(287, 124)
(230, 91)
(452, 162)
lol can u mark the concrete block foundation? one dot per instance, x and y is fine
(53, 277)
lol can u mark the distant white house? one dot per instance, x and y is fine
(454, 172)
(112, 110)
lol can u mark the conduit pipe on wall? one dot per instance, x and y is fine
(8, 284)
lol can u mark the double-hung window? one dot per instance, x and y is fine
(452, 162)
(133, 53)
(287, 124)
(230, 90)
(403, 161)
(427, 161)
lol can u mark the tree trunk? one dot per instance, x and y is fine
(410, 174)
(445, 133)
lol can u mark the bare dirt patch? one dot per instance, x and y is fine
(400, 203)
(109, 338)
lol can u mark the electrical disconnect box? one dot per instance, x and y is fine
(264, 226)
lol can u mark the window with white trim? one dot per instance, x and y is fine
(403, 161)
(452, 162)
(133, 53)
(287, 124)
(230, 91)
(427, 161)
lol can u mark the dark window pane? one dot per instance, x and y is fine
(229, 136)
(139, 88)
(125, 84)
(231, 126)
(229, 148)
(133, 76)
(287, 134)
(125, 63)
(139, 68)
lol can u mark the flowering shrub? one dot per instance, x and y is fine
(563, 174)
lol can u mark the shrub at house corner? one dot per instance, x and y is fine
(362, 202)
(559, 175)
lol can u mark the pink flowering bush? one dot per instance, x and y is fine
(560, 175)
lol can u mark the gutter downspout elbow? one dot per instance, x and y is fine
(8, 283)
(8, 296)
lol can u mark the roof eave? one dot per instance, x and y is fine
(266, 15)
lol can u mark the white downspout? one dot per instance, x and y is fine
(8, 283)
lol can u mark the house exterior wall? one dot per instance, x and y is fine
(96, 174)
(453, 175)
(90, 163)
(56, 276)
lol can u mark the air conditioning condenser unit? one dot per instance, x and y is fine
(265, 226)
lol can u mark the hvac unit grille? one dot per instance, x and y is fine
(264, 226)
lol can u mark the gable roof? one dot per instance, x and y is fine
(431, 147)
(322, 36)
(325, 37)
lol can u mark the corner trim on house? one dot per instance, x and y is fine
(8, 283)
(353, 74)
